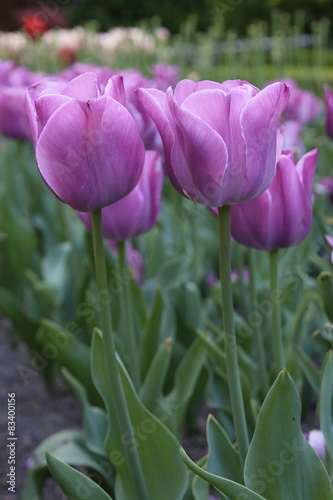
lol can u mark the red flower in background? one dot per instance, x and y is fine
(34, 25)
(66, 56)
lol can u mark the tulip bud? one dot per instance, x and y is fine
(136, 213)
(282, 216)
(88, 148)
(219, 139)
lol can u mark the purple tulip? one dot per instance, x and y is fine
(134, 260)
(103, 73)
(291, 132)
(317, 441)
(14, 81)
(165, 75)
(136, 213)
(280, 217)
(303, 106)
(88, 148)
(329, 111)
(219, 139)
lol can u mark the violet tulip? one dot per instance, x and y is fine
(303, 106)
(136, 213)
(219, 139)
(88, 148)
(280, 217)
(14, 81)
(329, 111)
(291, 132)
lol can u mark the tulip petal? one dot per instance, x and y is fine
(115, 89)
(83, 153)
(197, 144)
(260, 119)
(213, 107)
(306, 169)
(45, 106)
(83, 87)
(155, 103)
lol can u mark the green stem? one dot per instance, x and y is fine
(275, 301)
(124, 421)
(257, 331)
(240, 269)
(234, 381)
(133, 358)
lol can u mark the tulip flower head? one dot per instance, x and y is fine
(14, 81)
(282, 216)
(219, 140)
(34, 26)
(136, 213)
(303, 106)
(329, 111)
(88, 148)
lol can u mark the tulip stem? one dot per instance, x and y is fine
(275, 301)
(116, 388)
(234, 381)
(133, 365)
(257, 331)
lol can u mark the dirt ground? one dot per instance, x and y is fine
(39, 413)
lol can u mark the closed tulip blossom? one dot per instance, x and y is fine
(281, 216)
(303, 106)
(14, 81)
(219, 140)
(88, 148)
(329, 111)
(291, 132)
(137, 212)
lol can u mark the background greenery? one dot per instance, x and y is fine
(234, 14)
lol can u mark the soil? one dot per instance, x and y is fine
(39, 413)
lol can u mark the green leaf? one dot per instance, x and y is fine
(223, 458)
(152, 388)
(233, 490)
(75, 485)
(94, 418)
(164, 472)
(186, 377)
(326, 279)
(326, 402)
(34, 482)
(68, 446)
(149, 342)
(309, 369)
(280, 462)
(71, 353)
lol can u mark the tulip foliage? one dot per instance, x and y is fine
(147, 306)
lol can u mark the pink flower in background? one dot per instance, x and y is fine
(317, 441)
(136, 213)
(165, 75)
(103, 73)
(291, 131)
(282, 215)
(14, 81)
(134, 260)
(329, 111)
(303, 106)
(88, 148)
(219, 140)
